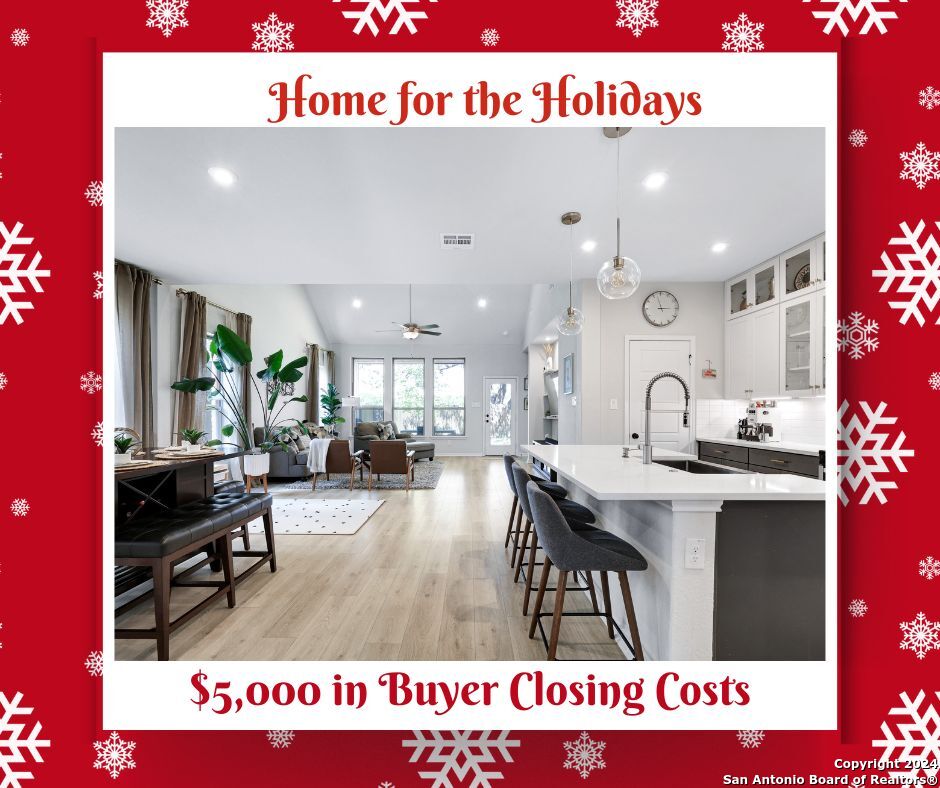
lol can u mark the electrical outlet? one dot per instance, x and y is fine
(694, 553)
(613, 403)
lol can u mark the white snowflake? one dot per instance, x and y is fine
(386, 784)
(929, 97)
(459, 754)
(15, 747)
(858, 608)
(857, 334)
(168, 15)
(19, 507)
(97, 434)
(933, 381)
(19, 37)
(13, 277)
(272, 35)
(384, 10)
(94, 663)
(917, 273)
(929, 568)
(98, 294)
(638, 15)
(90, 382)
(489, 37)
(854, 10)
(280, 739)
(920, 165)
(863, 454)
(920, 635)
(858, 138)
(114, 754)
(94, 193)
(3, 381)
(916, 741)
(584, 754)
(751, 739)
(743, 35)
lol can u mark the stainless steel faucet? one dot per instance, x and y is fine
(647, 446)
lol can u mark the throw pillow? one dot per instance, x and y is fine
(304, 441)
(388, 431)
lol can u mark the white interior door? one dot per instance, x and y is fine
(649, 357)
(499, 428)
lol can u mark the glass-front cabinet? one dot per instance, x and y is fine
(752, 290)
(802, 358)
(803, 268)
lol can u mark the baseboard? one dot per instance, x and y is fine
(458, 454)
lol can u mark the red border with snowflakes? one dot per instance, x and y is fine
(890, 376)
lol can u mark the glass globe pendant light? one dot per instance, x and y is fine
(572, 320)
(620, 277)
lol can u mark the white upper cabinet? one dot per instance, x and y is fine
(754, 289)
(803, 268)
(803, 354)
(752, 355)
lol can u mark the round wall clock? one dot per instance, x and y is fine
(661, 308)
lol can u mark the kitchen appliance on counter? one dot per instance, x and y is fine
(762, 423)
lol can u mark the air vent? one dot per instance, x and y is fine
(456, 240)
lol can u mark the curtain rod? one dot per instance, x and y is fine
(180, 291)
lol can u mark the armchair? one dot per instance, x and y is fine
(339, 460)
(391, 457)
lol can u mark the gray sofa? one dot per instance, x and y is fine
(369, 431)
(286, 463)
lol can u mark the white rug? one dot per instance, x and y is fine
(318, 516)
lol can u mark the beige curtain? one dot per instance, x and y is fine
(243, 329)
(312, 406)
(330, 367)
(132, 299)
(192, 362)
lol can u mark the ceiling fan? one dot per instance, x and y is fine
(411, 330)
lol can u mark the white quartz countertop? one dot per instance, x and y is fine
(790, 446)
(603, 473)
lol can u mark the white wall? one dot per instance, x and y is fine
(482, 360)
(282, 319)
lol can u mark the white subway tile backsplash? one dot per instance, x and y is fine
(802, 420)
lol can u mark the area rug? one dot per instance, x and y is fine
(427, 475)
(315, 516)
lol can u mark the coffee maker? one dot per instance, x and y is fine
(764, 422)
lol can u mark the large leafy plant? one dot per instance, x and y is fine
(228, 354)
(331, 402)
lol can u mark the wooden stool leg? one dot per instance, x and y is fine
(515, 537)
(512, 516)
(162, 574)
(525, 541)
(269, 537)
(540, 596)
(531, 573)
(608, 613)
(590, 585)
(631, 615)
(246, 537)
(556, 617)
(224, 546)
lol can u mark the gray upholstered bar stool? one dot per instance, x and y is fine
(515, 515)
(573, 551)
(575, 516)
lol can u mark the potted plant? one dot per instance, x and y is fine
(122, 449)
(331, 403)
(191, 437)
(227, 356)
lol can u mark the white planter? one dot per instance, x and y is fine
(257, 464)
(191, 447)
(122, 459)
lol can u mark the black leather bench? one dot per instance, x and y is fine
(163, 540)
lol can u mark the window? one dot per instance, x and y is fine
(369, 386)
(449, 407)
(408, 394)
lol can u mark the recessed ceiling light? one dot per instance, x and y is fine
(357, 303)
(481, 302)
(655, 180)
(505, 333)
(223, 176)
(719, 247)
(589, 246)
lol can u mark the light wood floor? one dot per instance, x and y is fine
(427, 578)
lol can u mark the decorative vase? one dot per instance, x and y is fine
(191, 447)
(257, 464)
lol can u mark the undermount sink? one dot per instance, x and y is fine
(696, 466)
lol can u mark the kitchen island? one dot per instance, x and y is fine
(736, 560)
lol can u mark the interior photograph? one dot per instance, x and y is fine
(469, 394)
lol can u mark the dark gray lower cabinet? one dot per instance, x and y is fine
(770, 581)
(759, 460)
